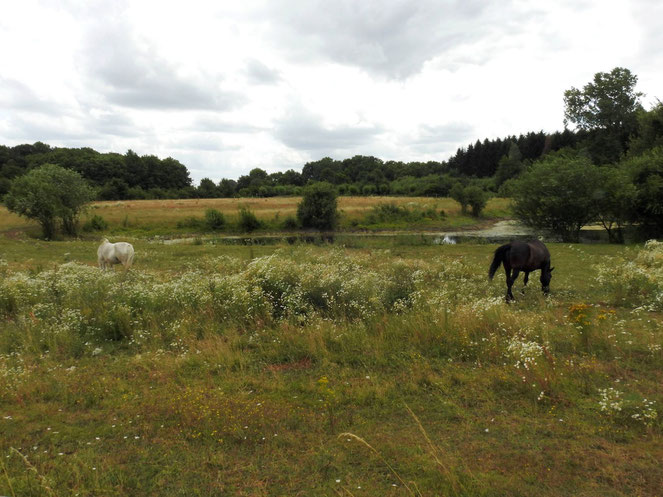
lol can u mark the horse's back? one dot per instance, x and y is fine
(528, 256)
(539, 250)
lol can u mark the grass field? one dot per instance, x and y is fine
(379, 368)
(161, 217)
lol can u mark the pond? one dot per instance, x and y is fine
(500, 232)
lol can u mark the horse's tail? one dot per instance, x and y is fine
(500, 255)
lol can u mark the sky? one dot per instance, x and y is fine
(227, 86)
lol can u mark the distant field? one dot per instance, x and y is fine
(162, 216)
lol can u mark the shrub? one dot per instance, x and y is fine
(289, 223)
(248, 221)
(557, 195)
(50, 194)
(318, 208)
(95, 223)
(477, 199)
(214, 219)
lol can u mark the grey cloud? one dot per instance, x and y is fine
(209, 142)
(18, 96)
(302, 130)
(212, 123)
(134, 75)
(28, 129)
(112, 124)
(444, 134)
(259, 73)
(389, 38)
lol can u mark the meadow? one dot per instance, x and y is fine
(377, 368)
(179, 217)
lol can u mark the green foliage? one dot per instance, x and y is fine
(510, 166)
(476, 198)
(646, 173)
(214, 219)
(607, 108)
(457, 193)
(650, 131)
(614, 198)
(247, 221)
(558, 194)
(609, 102)
(95, 223)
(289, 223)
(318, 208)
(207, 189)
(50, 194)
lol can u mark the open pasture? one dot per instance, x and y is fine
(369, 370)
(161, 217)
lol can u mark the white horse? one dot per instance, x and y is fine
(115, 253)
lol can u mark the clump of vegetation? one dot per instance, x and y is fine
(318, 208)
(214, 220)
(289, 223)
(247, 221)
(51, 195)
(95, 223)
(635, 278)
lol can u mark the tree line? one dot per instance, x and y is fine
(607, 169)
(115, 176)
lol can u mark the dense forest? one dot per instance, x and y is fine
(129, 176)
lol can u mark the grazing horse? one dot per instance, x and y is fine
(115, 253)
(522, 256)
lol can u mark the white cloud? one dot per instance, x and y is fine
(228, 86)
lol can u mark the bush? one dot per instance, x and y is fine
(317, 209)
(558, 194)
(477, 199)
(95, 223)
(248, 221)
(289, 223)
(214, 219)
(50, 195)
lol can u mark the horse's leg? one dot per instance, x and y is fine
(510, 282)
(526, 280)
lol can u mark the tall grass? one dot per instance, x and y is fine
(271, 368)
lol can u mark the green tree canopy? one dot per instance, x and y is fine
(646, 172)
(558, 194)
(50, 194)
(607, 107)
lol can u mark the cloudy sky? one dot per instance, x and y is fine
(227, 86)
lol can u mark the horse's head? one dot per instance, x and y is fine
(546, 276)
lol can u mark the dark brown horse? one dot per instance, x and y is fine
(522, 256)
